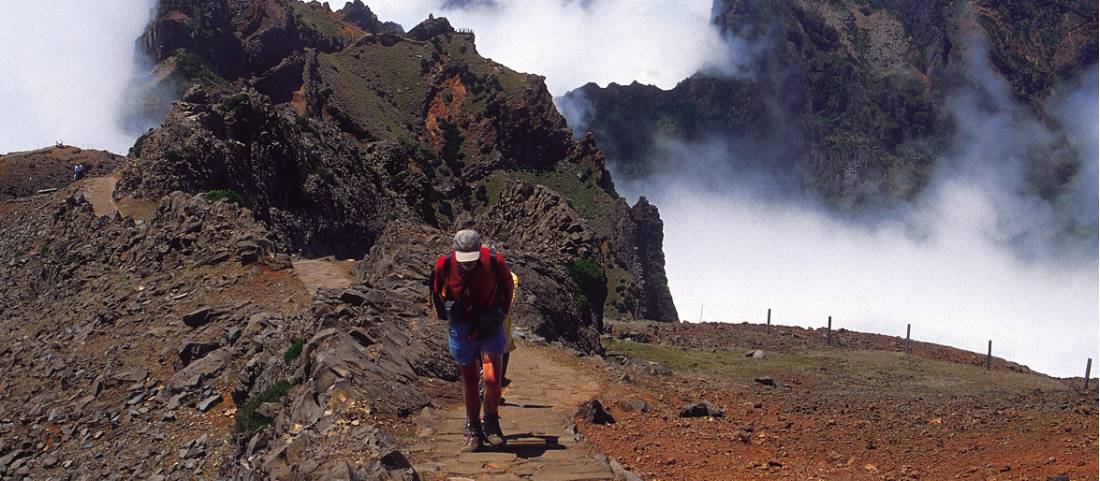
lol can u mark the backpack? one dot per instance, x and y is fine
(440, 304)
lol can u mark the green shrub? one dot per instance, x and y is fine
(294, 350)
(588, 277)
(452, 145)
(328, 176)
(228, 195)
(247, 421)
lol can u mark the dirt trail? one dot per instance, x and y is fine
(99, 192)
(325, 273)
(539, 406)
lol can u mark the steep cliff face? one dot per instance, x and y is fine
(846, 99)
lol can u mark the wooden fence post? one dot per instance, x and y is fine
(908, 330)
(989, 356)
(829, 335)
(1088, 371)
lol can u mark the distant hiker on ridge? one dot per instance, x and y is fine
(472, 288)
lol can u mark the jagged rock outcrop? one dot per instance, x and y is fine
(361, 15)
(319, 192)
(656, 301)
(541, 222)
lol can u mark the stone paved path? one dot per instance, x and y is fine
(539, 406)
(328, 273)
(99, 191)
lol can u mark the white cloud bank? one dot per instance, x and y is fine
(573, 42)
(979, 256)
(66, 65)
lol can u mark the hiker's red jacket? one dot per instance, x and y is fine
(481, 280)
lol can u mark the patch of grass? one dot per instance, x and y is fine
(246, 420)
(494, 184)
(233, 102)
(587, 198)
(196, 69)
(617, 282)
(843, 371)
(317, 19)
(228, 195)
(294, 350)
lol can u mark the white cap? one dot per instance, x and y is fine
(467, 245)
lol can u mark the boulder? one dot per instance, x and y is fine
(593, 412)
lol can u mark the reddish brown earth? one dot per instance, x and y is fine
(24, 173)
(846, 413)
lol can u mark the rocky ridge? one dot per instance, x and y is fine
(849, 100)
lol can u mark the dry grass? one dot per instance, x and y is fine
(852, 371)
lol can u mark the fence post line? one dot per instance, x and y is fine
(908, 330)
(989, 356)
(829, 334)
(1088, 371)
(769, 319)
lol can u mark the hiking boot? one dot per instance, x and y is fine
(471, 437)
(490, 427)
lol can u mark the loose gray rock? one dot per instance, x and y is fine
(765, 380)
(634, 404)
(209, 402)
(699, 410)
(199, 318)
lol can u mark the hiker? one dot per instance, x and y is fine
(470, 289)
(78, 171)
(511, 345)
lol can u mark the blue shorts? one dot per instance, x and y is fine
(464, 350)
